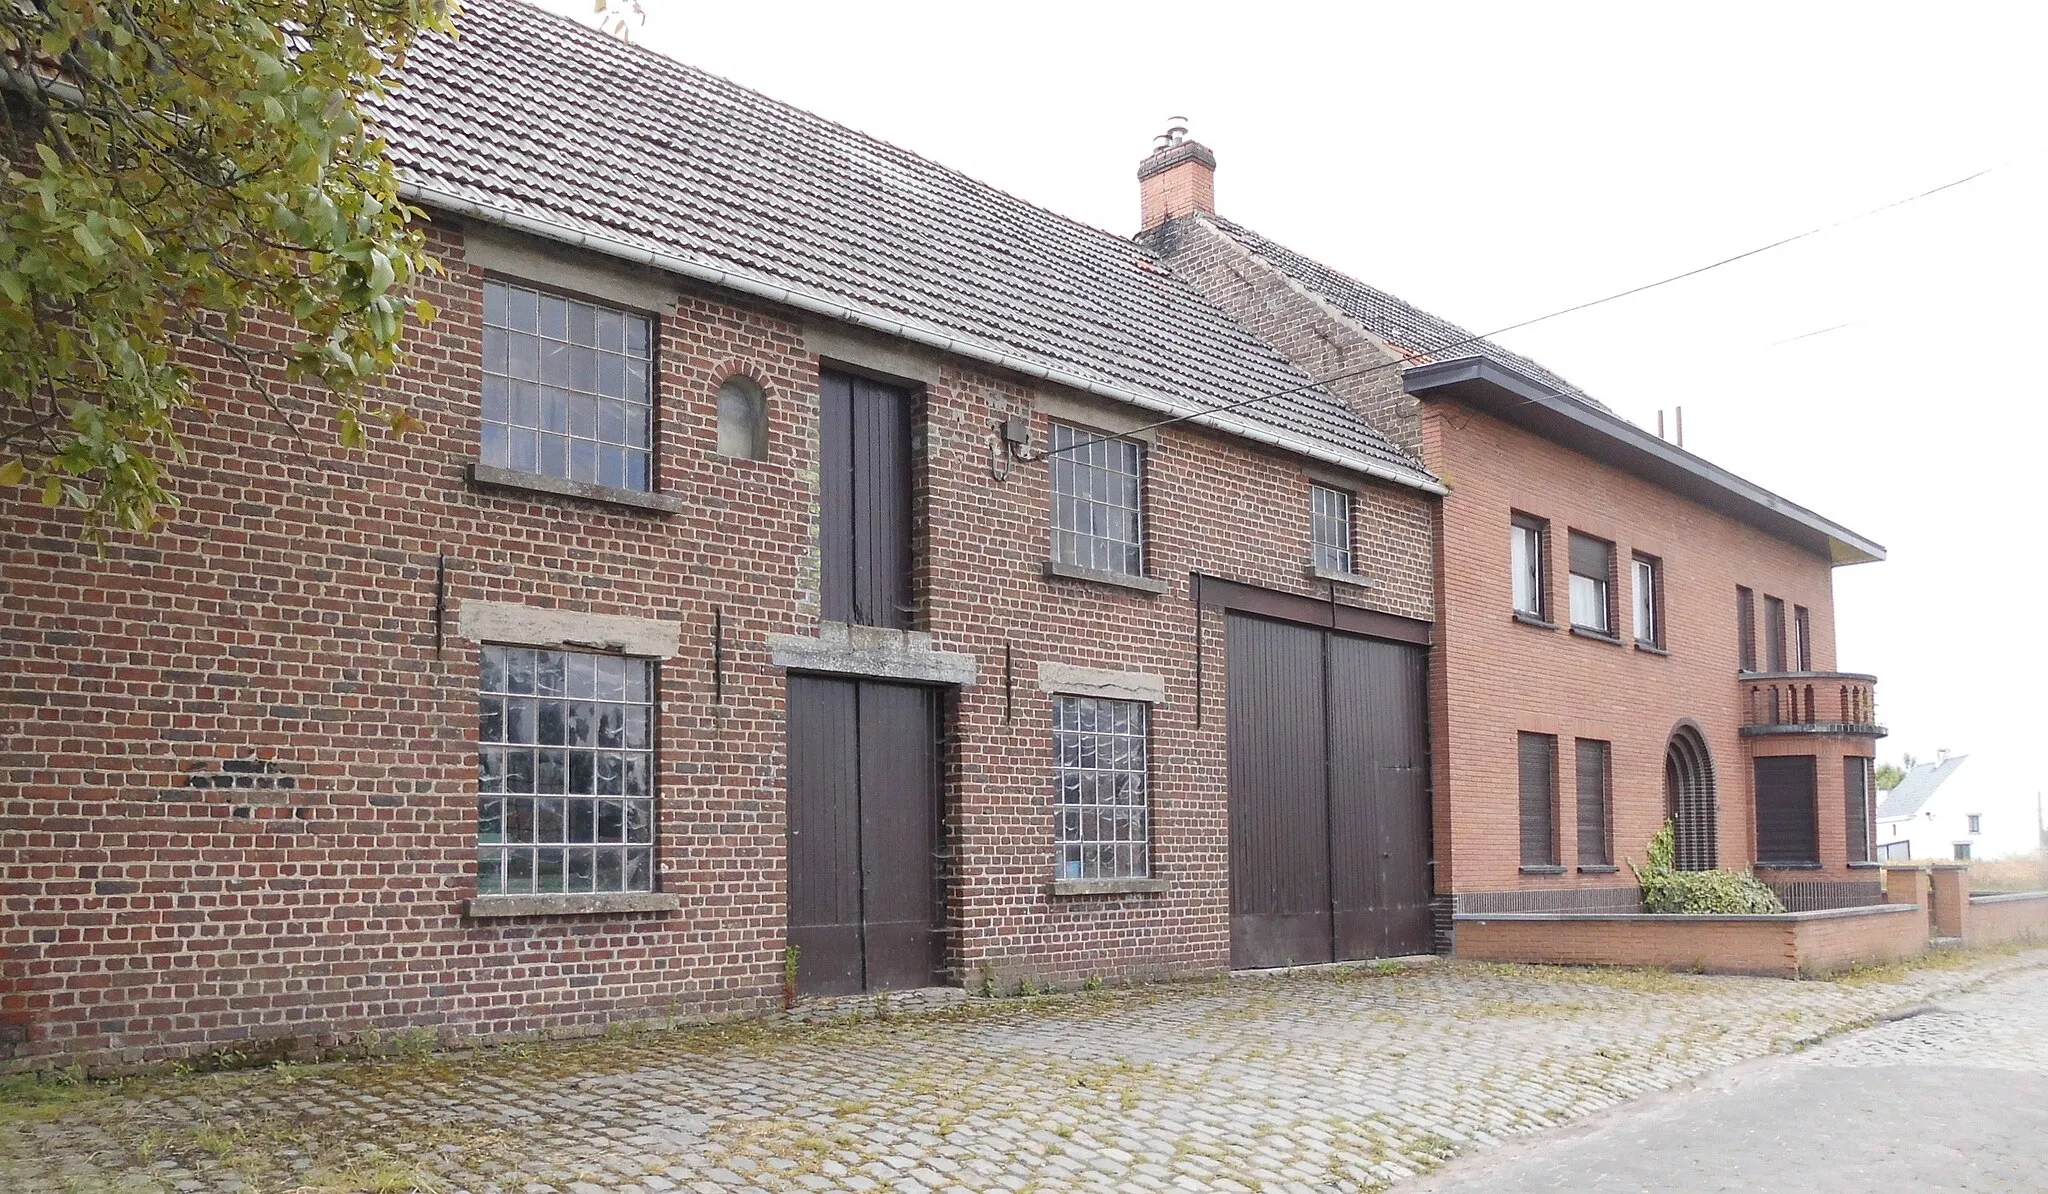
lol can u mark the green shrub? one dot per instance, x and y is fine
(1668, 889)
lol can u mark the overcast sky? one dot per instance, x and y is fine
(1493, 162)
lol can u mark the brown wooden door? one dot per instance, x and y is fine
(1329, 796)
(1379, 797)
(1279, 796)
(864, 502)
(864, 824)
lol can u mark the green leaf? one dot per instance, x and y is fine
(381, 273)
(87, 241)
(241, 142)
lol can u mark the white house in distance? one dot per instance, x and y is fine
(1947, 809)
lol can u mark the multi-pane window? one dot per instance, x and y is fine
(1745, 628)
(1774, 634)
(567, 389)
(1859, 803)
(1538, 765)
(1099, 767)
(1592, 579)
(1962, 851)
(1593, 803)
(1976, 823)
(1097, 487)
(1649, 601)
(1802, 638)
(1525, 551)
(1329, 523)
(565, 772)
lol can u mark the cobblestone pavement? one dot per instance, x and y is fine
(1341, 1080)
(1951, 1098)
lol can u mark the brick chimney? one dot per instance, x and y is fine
(1178, 178)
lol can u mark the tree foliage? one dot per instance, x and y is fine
(1668, 889)
(1889, 776)
(173, 165)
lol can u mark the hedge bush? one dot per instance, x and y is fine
(1668, 889)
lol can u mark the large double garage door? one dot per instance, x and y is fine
(1329, 795)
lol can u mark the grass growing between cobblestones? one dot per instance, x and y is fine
(1344, 1079)
(1947, 958)
(45, 1096)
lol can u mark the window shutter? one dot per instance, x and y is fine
(1856, 802)
(1786, 822)
(1745, 627)
(1592, 777)
(1591, 557)
(1539, 804)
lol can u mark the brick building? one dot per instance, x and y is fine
(790, 569)
(1626, 632)
(819, 570)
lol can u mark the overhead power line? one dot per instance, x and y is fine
(1438, 351)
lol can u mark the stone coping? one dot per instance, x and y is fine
(1696, 917)
(874, 652)
(2008, 897)
(602, 903)
(1084, 887)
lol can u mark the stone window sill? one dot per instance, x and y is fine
(1088, 887)
(1866, 866)
(1353, 579)
(560, 904)
(1543, 870)
(1602, 869)
(1787, 866)
(1598, 636)
(1532, 620)
(501, 478)
(1053, 570)
(1651, 649)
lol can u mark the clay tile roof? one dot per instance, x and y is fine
(1406, 327)
(536, 116)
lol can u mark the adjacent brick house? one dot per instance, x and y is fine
(1626, 632)
(790, 556)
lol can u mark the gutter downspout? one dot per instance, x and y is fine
(845, 313)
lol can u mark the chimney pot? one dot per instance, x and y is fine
(1176, 179)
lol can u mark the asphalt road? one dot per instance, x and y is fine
(1951, 1098)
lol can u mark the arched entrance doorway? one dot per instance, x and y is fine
(1689, 799)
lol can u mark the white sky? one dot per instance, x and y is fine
(1491, 162)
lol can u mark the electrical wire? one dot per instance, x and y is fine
(1438, 351)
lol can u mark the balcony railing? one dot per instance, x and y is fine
(1809, 703)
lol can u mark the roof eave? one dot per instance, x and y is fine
(833, 308)
(1517, 398)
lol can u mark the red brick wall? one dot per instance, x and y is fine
(1777, 946)
(285, 623)
(1993, 920)
(1501, 677)
(1491, 677)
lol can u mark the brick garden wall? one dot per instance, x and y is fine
(1783, 946)
(237, 784)
(2000, 919)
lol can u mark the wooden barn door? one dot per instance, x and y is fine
(1329, 795)
(864, 833)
